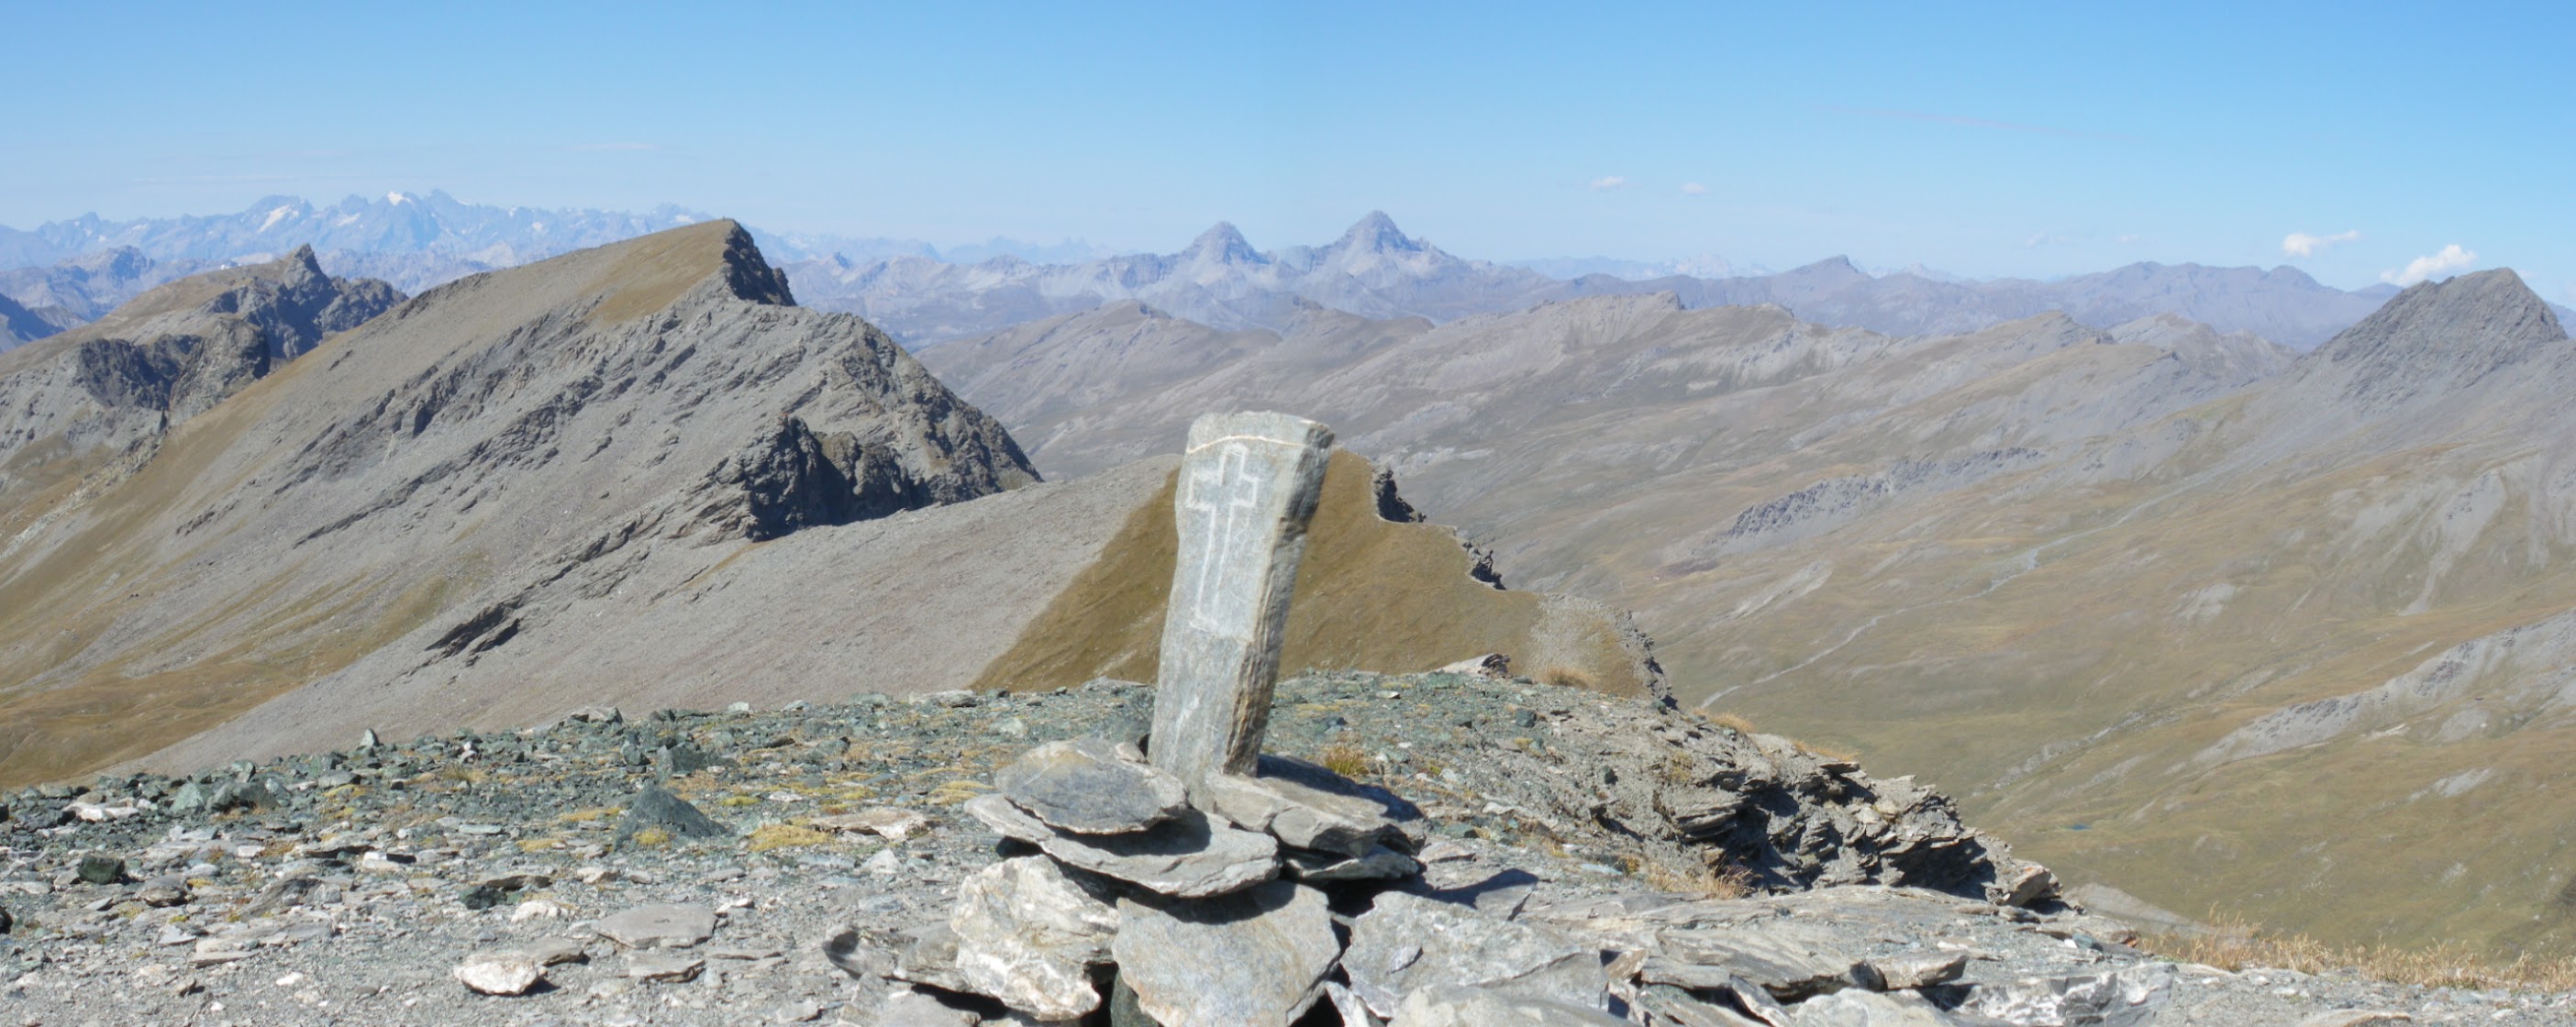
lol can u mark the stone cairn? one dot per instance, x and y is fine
(1195, 887)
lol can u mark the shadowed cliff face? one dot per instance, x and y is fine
(449, 458)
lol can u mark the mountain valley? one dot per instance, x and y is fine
(2156, 573)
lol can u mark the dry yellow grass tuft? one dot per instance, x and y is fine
(1345, 759)
(1567, 677)
(2234, 945)
(1703, 882)
(1732, 722)
(784, 836)
(652, 838)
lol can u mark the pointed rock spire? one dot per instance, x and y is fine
(1376, 232)
(1223, 244)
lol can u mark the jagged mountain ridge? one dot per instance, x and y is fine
(19, 325)
(428, 440)
(2053, 569)
(924, 296)
(117, 385)
(1374, 269)
(88, 285)
(631, 474)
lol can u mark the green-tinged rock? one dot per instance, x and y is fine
(656, 808)
(102, 869)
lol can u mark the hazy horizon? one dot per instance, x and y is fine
(2360, 146)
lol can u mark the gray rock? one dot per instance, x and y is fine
(1919, 969)
(653, 807)
(1452, 1005)
(189, 798)
(1347, 1004)
(101, 869)
(1788, 960)
(928, 956)
(1254, 958)
(1189, 856)
(2119, 998)
(658, 927)
(499, 973)
(1685, 1009)
(555, 951)
(1380, 864)
(1406, 942)
(917, 1007)
(1306, 806)
(665, 967)
(2020, 884)
(1248, 486)
(1029, 935)
(1871, 1009)
(162, 891)
(280, 895)
(1087, 786)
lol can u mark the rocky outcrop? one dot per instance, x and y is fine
(2438, 337)
(174, 353)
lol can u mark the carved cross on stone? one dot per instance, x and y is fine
(1248, 487)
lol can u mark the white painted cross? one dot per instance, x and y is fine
(1249, 485)
(1228, 480)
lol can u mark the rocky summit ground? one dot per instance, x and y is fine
(366, 886)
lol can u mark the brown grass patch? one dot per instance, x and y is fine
(1731, 882)
(2234, 945)
(1732, 722)
(1567, 677)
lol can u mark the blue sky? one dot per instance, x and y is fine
(2034, 140)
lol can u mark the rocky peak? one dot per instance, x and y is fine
(2438, 336)
(1835, 270)
(747, 274)
(1377, 233)
(1221, 244)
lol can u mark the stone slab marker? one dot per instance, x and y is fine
(1248, 487)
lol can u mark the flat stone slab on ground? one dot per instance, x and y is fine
(1791, 961)
(1255, 958)
(1309, 807)
(888, 822)
(1871, 1009)
(1087, 786)
(1406, 942)
(499, 973)
(665, 967)
(1458, 1006)
(1189, 856)
(659, 927)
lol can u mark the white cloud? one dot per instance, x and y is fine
(1607, 183)
(1693, 189)
(2451, 258)
(2125, 239)
(2301, 244)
